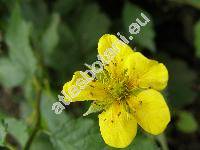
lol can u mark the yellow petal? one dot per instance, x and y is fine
(146, 73)
(156, 77)
(151, 111)
(118, 128)
(113, 52)
(80, 89)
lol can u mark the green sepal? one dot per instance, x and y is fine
(136, 91)
(96, 106)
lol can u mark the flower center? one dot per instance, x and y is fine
(120, 91)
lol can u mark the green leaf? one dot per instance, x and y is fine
(17, 39)
(186, 123)
(50, 37)
(181, 80)
(143, 143)
(51, 121)
(68, 133)
(197, 38)
(91, 26)
(11, 74)
(29, 90)
(3, 133)
(35, 12)
(78, 134)
(67, 49)
(41, 142)
(193, 3)
(20, 50)
(64, 7)
(145, 38)
(17, 129)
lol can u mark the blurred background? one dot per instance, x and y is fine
(43, 42)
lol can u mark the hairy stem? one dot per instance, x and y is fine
(38, 116)
(163, 142)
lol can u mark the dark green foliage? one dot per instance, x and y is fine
(42, 43)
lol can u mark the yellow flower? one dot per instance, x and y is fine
(127, 93)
